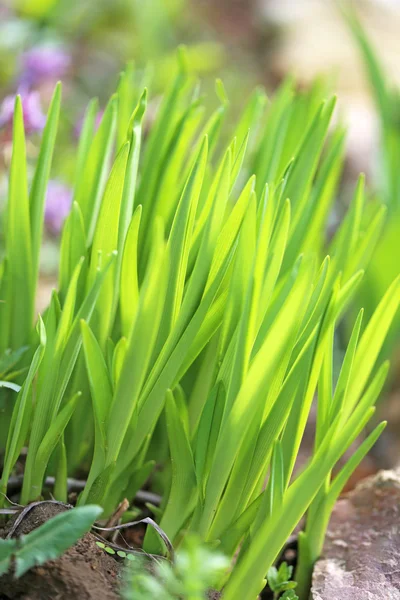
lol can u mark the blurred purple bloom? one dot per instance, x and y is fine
(34, 119)
(79, 123)
(43, 64)
(58, 205)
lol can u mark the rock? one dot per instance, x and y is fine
(361, 558)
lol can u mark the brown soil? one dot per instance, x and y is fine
(214, 595)
(84, 571)
(133, 537)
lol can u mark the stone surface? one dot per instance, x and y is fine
(361, 559)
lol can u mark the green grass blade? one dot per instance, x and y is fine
(50, 540)
(21, 414)
(143, 336)
(73, 248)
(129, 284)
(95, 170)
(126, 97)
(20, 288)
(250, 395)
(183, 485)
(371, 342)
(41, 177)
(105, 241)
(99, 380)
(85, 141)
(179, 244)
(128, 198)
(49, 443)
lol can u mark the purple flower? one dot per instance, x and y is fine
(34, 119)
(43, 64)
(58, 205)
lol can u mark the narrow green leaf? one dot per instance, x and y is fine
(7, 549)
(49, 443)
(85, 141)
(129, 290)
(183, 485)
(99, 380)
(73, 248)
(21, 414)
(143, 336)
(371, 342)
(41, 177)
(20, 288)
(105, 241)
(50, 540)
(128, 197)
(95, 170)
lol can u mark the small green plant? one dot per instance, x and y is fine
(113, 552)
(279, 582)
(195, 320)
(194, 572)
(47, 542)
(289, 595)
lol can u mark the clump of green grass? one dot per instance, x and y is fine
(384, 265)
(195, 321)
